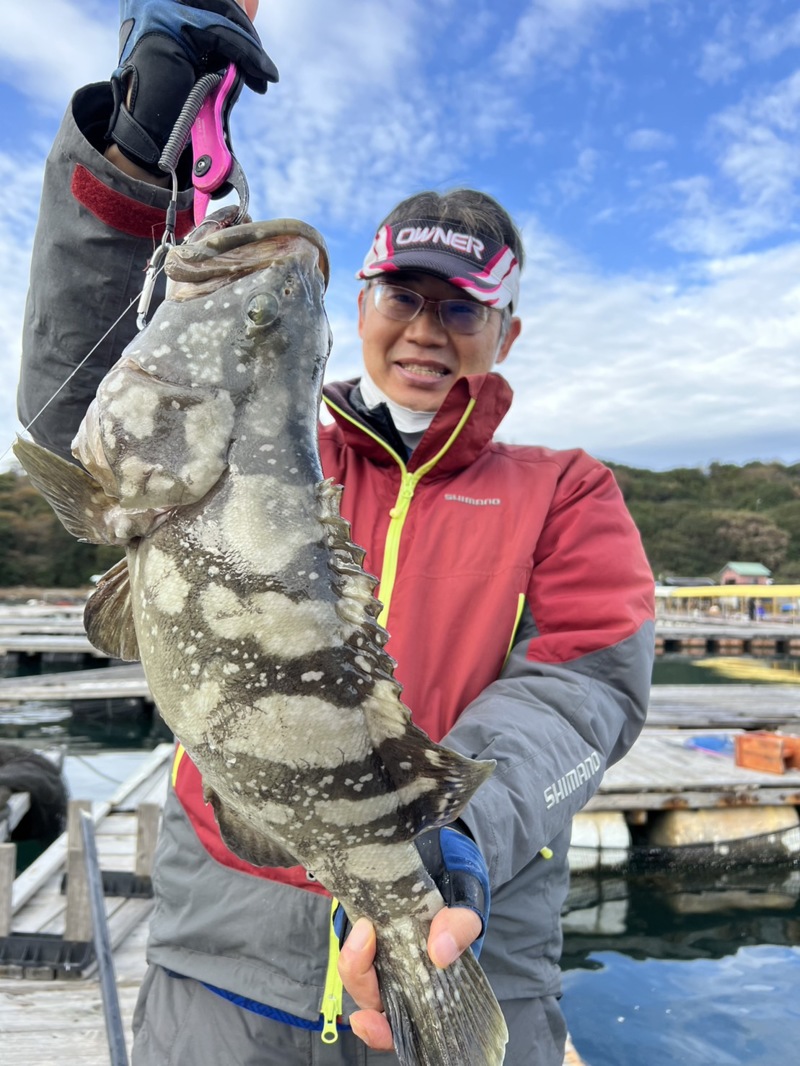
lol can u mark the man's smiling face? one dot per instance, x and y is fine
(417, 363)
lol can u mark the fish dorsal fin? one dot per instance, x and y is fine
(243, 840)
(435, 782)
(108, 615)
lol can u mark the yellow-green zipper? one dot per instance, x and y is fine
(397, 515)
(331, 1006)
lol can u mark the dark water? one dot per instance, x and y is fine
(679, 670)
(662, 966)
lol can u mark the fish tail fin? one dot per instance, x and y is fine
(446, 1017)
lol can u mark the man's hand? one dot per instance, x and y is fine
(458, 869)
(452, 931)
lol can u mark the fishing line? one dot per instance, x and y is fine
(136, 299)
(73, 372)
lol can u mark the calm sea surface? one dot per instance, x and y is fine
(662, 967)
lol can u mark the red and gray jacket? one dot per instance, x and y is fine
(516, 592)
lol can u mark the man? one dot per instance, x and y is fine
(514, 585)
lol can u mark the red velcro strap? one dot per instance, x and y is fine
(120, 212)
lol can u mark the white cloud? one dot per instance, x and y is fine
(721, 59)
(647, 369)
(776, 39)
(49, 47)
(381, 112)
(557, 31)
(649, 140)
(744, 36)
(754, 194)
(21, 179)
(377, 104)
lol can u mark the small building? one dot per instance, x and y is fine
(744, 574)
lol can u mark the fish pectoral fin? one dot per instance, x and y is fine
(441, 780)
(243, 840)
(108, 615)
(75, 496)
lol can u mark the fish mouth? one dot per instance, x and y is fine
(223, 255)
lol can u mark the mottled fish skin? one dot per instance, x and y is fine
(255, 622)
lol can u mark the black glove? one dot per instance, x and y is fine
(458, 869)
(165, 46)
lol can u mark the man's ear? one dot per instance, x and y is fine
(513, 331)
(362, 295)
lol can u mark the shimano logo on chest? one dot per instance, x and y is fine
(495, 501)
(567, 784)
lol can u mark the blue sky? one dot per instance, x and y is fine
(648, 149)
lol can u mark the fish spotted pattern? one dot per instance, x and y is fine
(247, 604)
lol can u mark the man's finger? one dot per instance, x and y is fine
(373, 1029)
(453, 929)
(356, 966)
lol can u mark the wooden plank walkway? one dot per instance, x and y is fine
(112, 682)
(44, 1022)
(736, 706)
(48, 643)
(49, 1023)
(662, 772)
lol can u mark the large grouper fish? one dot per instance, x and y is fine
(247, 604)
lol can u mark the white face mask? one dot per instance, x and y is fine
(405, 420)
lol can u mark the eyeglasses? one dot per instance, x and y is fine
(456, 316)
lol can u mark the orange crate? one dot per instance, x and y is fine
(771, 752)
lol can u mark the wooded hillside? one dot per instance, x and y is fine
(692, 522)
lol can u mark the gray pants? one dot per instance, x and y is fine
(178, 1022)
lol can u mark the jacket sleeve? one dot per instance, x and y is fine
(573, 694)
(95, 234)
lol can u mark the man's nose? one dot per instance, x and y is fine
(426, 327)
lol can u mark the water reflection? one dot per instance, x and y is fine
(681, 913)
(725, 670)
(95, 725)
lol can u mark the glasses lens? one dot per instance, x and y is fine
(463, 316)
(457, 316)
(397, 303)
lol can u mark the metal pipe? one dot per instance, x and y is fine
(102, 944)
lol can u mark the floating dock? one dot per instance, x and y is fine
(763, 640)
(42, 631)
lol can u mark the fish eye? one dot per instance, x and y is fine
(263, 309)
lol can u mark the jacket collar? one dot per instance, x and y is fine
(491, 394)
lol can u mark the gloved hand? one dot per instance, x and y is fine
(165, 46)
(458, 869)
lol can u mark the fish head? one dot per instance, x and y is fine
(246, 304)
(243, 329)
